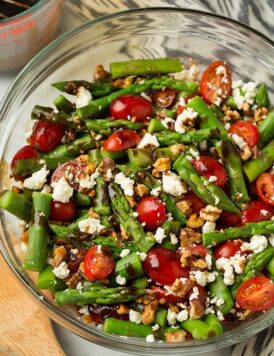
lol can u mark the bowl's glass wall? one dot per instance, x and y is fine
(147, 34)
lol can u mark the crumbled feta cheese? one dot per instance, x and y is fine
(159, 235)
(61, 271)
(191, 72)
(225, 265)
(249, 90)
(125, 183)
(108, 175)
(209, 310)
(257, 244)
(150, 338)
(220, 70)
(46, 189)
(168, 122)
(220, 315)
(155, 327)
(83, 97)
(208, 260)
(194, 294)
(227, 125)
(237, 84)
(90, 226)
(145, 96)
(187, 115)
(142, 255)
(79, 286)
(135, 317)
(193, 152)
(84, 310)
(171, 317)
(271, 239)
(125, 252)
(89, 181)
(121, 280)
(212, 179)
(264, 212)
(74, 251)
(173, 185)
(240, 142)
(155, 191)
(243, 94)
(62, 191)
(37, 179)
(182, 315)
(148, 140)
(203, 277)
(208, 227)
(173, 239)
(135, 214)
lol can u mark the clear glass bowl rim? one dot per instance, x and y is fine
(71, 323)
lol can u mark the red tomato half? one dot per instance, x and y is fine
(121, 140)
(247, 131)
(208, 167)
(196, 203)
(62, 211)
(168, 296)
(230, 219)
(198, 250)
(228, 249)
(151, 211)
(98, 263)
(131, 106)
(163, 266)
(213, 85)
(257, 211)
(26, 152)
(265, 188)
(257, 293)
(72, 169)
(46, 135)
(164, 98)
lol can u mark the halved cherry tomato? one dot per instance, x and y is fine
(164, 98)
(198, 250)
(121, 140)
(247, 131)
(131, 106)
(213, 85)
(75, 259)
(62, 211)
(257, 293)
(196, 203)
(26, 152)
(151, 211)
(46, 135)
(265, 188)
(228, 249)
(98, 263)
(168, 296)
(99, 313)
(70, 170)
(210, 167)
(230, 219)
(163, 266)
(257, 211)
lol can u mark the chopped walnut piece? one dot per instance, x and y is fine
(122, 309)
(260, 114)
(87, 319)
(189, 236)
(73, 280)
(185, 207)
(185, 257)
(92, 193)
(124, 233)
(176, 336)
(92, 214)
(122, 83)
(194, 221)
(148, 314)
(83, 159)
(246, 109)
(156, 173)
(90, 168)
(177, 148)
(146, 299)
(231, 115)
(196, 309)
(246, 314)
(70, 134)
(131, 201)
(106, 164)
(16, 189)
(174, 308)
(201, 264)
(141, 190)
(162, 164)
(100, 73)
(210, 213)
(181, 288)
(255, 152)
(59, 255)
(246, 153)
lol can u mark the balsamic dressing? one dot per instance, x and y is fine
(9, 8)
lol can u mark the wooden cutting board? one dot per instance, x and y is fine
(24, 327)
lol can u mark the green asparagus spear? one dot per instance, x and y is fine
(82, 199)
(48, 280)
(270, 267)
(254, 167)
(257, 228)
(106, 126)
(141, 282)
(208, 192)
(35, 259)
(170, 152)
(170, 138)
(63, 104)
(215, 327)
(233, 165)
(159, 112)
(197, 328)
(171, 207)
(16, 204)
(230, 102)
(139, 157)
(98, 295)
(257, 262)
(261, 98)
(101, 199)
(98, 106)
(161, 317)
(126, 328)
(155, 126)
(266, 129)
(218, 289)
(145, 67)
(129, 267)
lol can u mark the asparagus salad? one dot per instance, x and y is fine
(148, 198)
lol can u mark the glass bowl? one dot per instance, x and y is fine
(144, 33)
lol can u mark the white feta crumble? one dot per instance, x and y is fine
(237, 84)
(125, 252)
(227, 126)
(239, 141)
(173, 185)
(190, 72)
(155, 191)
(61, 271)
(83, 97)
(249, 90)
(220, 315)
(74, 251)
(142, 255)
(204, 277)
(121, 280)
(208, 226)
(79, 286)
(46, 189)
(220, 70)
(155, 327)
(90, 226)
(159, 235)
(257, 244)
(209, 310)
(108, 175)
(135, 214)
(186, 115)
(244, 93)
(171, 317)
(125, 183)
(150, 338)
(271, 239)
(225, 265)
(37, 179)
(148, 140)
(135, 317)
(89, 181)
(173, 239)
(62, 191)
(212, 179)
(168, 122)
(208, 259)
(84, 310)
(264, 212)
(145, 96)
(194, 294)
(182, 315)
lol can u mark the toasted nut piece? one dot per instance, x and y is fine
(83, 159)
(122, 83)
(196, 309)
(177, 336)
(181, 288)
(59, 255)
(106, 164)
(70, 135)
(255, 152)
(210, 213)
(92, 193)
(131, 201)
(148, 314)
(162, 164)
(100, 73)
(92, 214)
(87, 319)
(174, 308)
(156, 173)
(189, 236)
(81, 269)
(185, 257)
(123, 232)
(194, 221)
(199, 263)
(185, 207)
(122, 309)
(260, 114)
(146, 299)
(232, 115)
(246, 153)
(16, 189)
(73, 280)
(246, 108)
(141, 190)
(90, 168)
